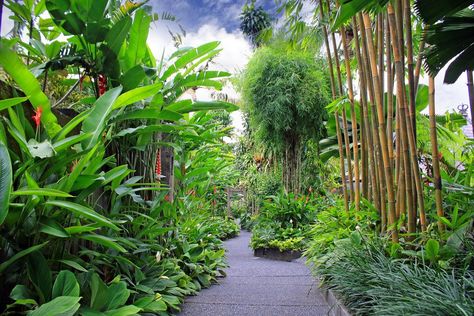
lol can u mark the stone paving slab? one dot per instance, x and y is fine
(258, 287)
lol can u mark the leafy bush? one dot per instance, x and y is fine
(284, 221)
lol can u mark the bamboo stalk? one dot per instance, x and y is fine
(328, 51)
(435, 155)
(382, 130)
(341, 161)
(355, 138)
(388, 56)
(405, 124)
(376, 167)
(366, 136)
(333, 91)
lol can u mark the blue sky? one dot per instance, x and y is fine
(193, 14)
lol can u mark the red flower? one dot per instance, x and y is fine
(37, 116)
(158, 164)
(102, 84)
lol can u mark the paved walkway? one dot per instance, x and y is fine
(258, 287)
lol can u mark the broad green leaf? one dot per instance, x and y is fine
(124, 311)
(98, 292)
(41, 192)
(421, 97)
(118, 295)
(65, 284)
(73, 264)
(117, 34)
(53, 228)
(104, 241)
(40, 275)
(151, 304)
(151, 113)
(6, 181)
(136, 95)
(96, 120)
(12, 64)
(132, 78)
(136, 48)
(167, 128)
(432, 250)
(83, 211)
(21, 254)
(66, 143)
(71, 125)
(189, 57)
(5, 104)
(62, 305)
(186, 107)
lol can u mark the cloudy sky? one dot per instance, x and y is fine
(211, 20)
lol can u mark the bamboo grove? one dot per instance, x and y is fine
(378, 150)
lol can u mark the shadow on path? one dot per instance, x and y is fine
(257, 286)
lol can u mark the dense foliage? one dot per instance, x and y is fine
(91, 221)
(284, 93)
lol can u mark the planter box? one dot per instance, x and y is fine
(276, 254)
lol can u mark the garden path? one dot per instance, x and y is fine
(258, 287)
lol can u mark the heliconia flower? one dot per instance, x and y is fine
(37, 116)
(102, 83)
(158, 164)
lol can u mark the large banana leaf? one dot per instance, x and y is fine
(136, 49)
(187, 58)
(96, 121)
(5, 181)
(12, 64)
(186, 106)
(136, 95)
(431, 12)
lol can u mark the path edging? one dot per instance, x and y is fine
(336, 307)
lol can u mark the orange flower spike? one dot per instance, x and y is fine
(37, 116)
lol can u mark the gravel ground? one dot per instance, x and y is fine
(257, 286)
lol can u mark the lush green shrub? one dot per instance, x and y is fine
(284, 221)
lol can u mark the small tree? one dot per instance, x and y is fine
(284, 94)
(253, 21)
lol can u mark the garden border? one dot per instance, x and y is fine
(336, 307)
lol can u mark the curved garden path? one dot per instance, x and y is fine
(258, 287)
